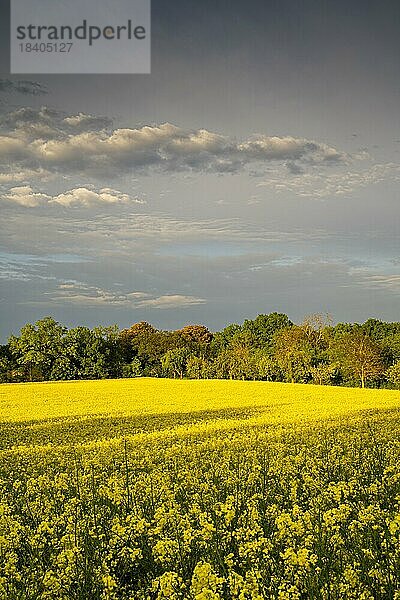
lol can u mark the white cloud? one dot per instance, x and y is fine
(88, 197)
(263, 147)
(82, 196)
(87, 144)
(172, 148)
(25, 196)
(49, 142)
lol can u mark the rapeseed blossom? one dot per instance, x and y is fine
(163, 490)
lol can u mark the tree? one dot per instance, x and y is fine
(323, 373)
(359, 356)
(196, 334)
(393, 373)
(174, 362)
(149, 345)
(109, 344)
(135, 338)
(266, 367)
(316, 327)
(38, 347)
(198, 367)
(293, 353)
(390, 345)
(133, 369)
(8, 366)
(222, 339)
(264, 327)
(379, 330)
(89, 354)
(196, 338)
(237, 361)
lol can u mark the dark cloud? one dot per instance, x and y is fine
(294, 168)
(22, 86)
(47, 123)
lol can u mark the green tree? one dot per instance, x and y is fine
(323, 373)
(8, 367)
(294, 353)
(379, 330)
(173, 362)
(109, 343)
(390, 345)
(134, 339)
(38, 347)
(264, 327)
(222, 339)
(393, 374)
(265, 366)
(238, 359)
(133, 369)
(149, 345)
(198, 367)
(82, 356)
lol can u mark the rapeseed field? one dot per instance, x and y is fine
(198, 490)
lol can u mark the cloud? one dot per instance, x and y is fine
(169, 148)
(79, 293)
(29, 124)
(82, 122)
(88, 197)
(87, 145)
(171, 301)
(82, 196)
(31, 88)
(34, 124)
(294, 168)
(26, 115)
(134, 236)
(13, 272)
(389, 283)
(13, 151)
(343, 183)
(25, 196)
(24, 267)
(136, 231)
(263, 147)
(24, 175)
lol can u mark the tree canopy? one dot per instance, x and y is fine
(269, 347)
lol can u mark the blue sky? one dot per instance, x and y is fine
(256, 169)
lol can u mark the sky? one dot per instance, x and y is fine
(256, 169)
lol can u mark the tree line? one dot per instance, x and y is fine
(270, 348)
